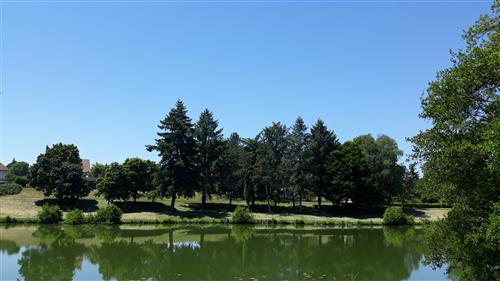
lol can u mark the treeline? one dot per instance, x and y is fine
(280, 164)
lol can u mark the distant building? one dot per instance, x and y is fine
(3, 172)
(85, 167)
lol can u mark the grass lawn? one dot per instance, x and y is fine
(27, 203)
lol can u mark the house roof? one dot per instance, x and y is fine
(85, 165)
(3, 167)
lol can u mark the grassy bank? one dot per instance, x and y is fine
(208, 220)
(23, 208)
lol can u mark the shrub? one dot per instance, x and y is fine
(10, 188)
(242, 216)
(50, 214)
(75, 217)
(396, 216)
(109, 214)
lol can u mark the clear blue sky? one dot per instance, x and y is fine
(101, 76)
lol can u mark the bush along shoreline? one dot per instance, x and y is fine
(111, 214)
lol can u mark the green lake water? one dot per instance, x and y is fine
(212, 253)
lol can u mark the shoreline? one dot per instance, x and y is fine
(7, 220)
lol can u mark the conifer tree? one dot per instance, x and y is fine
(296, 154)
(320, 147)
(210, 145)
(231, 167)
(273, 164)
(176, 147)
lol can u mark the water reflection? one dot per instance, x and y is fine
(212, 253)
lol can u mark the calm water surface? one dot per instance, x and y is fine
(212, 253)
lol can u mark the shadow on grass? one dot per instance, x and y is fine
(221, 210)
(415, 212)
(326, 211)
(160, 208)
(86, 205)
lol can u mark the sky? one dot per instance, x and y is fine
(102, 75)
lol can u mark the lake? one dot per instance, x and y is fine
(212, 253)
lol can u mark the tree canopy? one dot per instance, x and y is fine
(209, 144)
(18, 172)
(176, 146)
(461, 151)
(58, 172)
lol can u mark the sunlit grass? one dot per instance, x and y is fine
(24, 206)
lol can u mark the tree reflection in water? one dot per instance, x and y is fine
(219, 253)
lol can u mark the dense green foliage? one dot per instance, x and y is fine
(18, 172)
(132, 179)
(230, 168)
(176, 146)
(9, 188)
(98, 170)
(461, 153)
(74, 217)
(50, 214)
(110, 214)
(242, 215)
(58, 172)
(140, 176)
(322, 144)
(396, 216)
(279, 164)
(210, 147)
(112, 186)
(298, 141)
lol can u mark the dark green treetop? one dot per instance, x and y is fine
(18, 172)
(461, 153)
(58, 172)
(210, 147)
(176, 146)
(322, 143)
(113, 185)
(140, 175)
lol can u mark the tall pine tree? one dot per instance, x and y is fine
(296, 154)
(176, 146)
(231, 167)
(274, 148)
(210, 148)
(320, 147)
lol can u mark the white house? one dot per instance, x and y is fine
(3, 172)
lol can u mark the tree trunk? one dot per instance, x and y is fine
(293, 202)
(171, 240)
(203, 199)
(172, 204)
(202, 239)
(267, 197)
(300, 202)
(230, 198)
(319, 202)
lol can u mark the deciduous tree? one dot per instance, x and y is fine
(461, 152)
(18, 172)
(113, 185)
(58, 172)
(140, 174)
